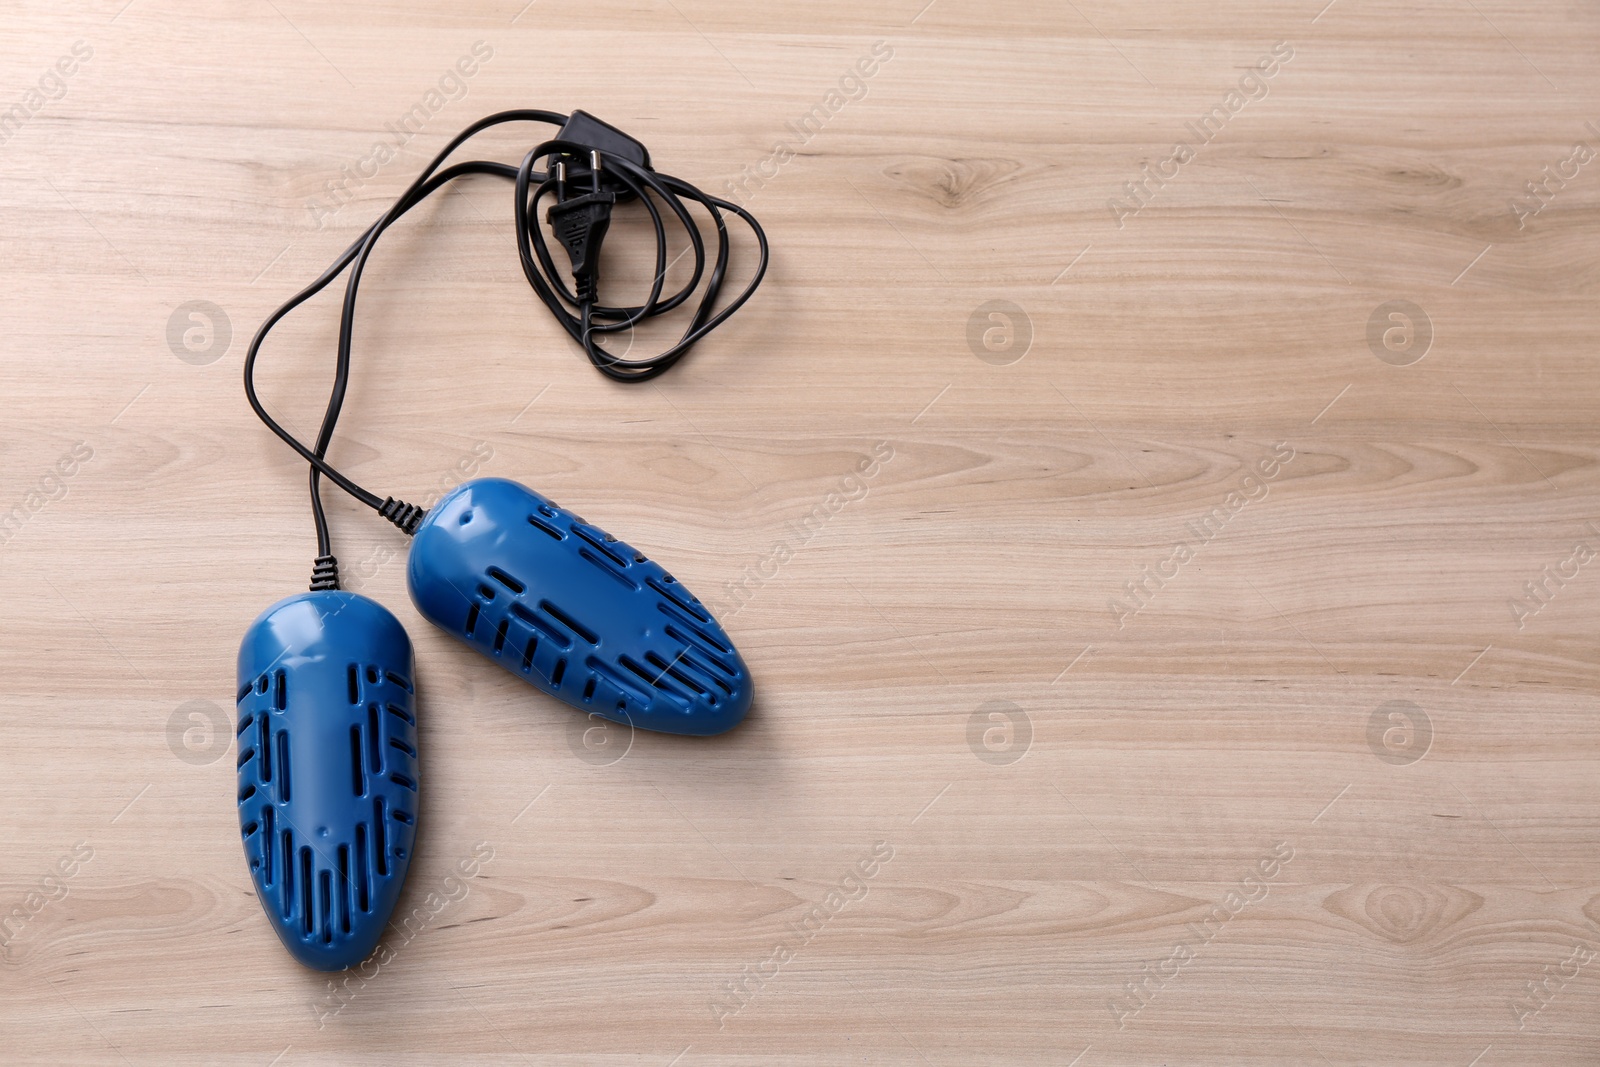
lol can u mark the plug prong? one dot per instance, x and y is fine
(594, 170)
(561, 180)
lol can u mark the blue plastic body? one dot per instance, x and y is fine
(575, 612)
(327, 742)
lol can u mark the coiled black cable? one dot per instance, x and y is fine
(617, 170)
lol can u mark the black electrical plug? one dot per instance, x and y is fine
(580, 224)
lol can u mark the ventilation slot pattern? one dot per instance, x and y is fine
(537, 606)
(677, 597)
(327, 751)
(569, 622)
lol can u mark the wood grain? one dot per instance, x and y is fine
(1103, 899)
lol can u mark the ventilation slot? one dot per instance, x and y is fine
(363, 879)
(485, 592)
(559, 671)
(380, 843)
(602, 542)
(403, 816)
(653, 679)
(288, 873)
(396, 679)
(570, 623)
(699, 636)
(527, 655)
(358, 782)
(372, 676)
(325, 883)
(705, 671)
(249, 828)
(374, 741)
(705, 643)
(246, 756)
(544, 527)
(249, 791)
(344, 888)
(283, 691)
(401, 713)
(267, 841)
(682, 602)
(506, 580)
(524, 615)
(264, 738)
(472, 619)
(261, 684)
(671, 669)
(353, 675)
(243, 692)
(588, 689)
(500, 635)
(403, 781)
(622, 681)
(244, 724)
(395, 742)
(609, 571)
(307, 904)
(283, 766)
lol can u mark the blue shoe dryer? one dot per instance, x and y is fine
(574, 612)
(328, 777)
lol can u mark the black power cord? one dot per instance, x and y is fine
(606, 167)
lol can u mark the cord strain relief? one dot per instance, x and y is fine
(588, 287)
(404, 516)
(325, 574)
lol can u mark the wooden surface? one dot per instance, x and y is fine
(1223, 841)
